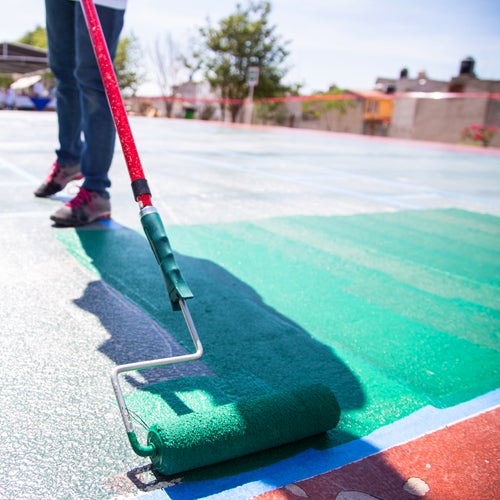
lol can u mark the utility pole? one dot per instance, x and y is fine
(252, 80)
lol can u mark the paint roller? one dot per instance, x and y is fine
(180, 443)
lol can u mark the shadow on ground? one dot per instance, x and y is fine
(250, 348)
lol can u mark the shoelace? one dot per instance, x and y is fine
(53, 172)
(82, 197)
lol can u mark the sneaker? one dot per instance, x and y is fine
(84, 208)
(57, 179)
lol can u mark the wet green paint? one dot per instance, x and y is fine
(392, 311)
(414, 295)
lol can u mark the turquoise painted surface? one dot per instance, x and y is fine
(392, 311)
(413, 295)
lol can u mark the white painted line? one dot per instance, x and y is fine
(18, 171)
(319, 182)
(26, 215)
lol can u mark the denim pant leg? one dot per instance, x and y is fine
(97, 122)
(60, 21)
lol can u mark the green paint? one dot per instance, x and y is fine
(414, 294)
(160, 246)
(391, 311)
(237, 429)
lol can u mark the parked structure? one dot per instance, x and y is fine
(414, 108)
(188, 100)
(18, 58)
(418, 108)
(421, 113)
(377, 111)
(422, 83)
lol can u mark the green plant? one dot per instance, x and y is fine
(207, 112)
(225, 53)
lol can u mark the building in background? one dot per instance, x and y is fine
(377, 108)
(441, 114)
(420, 108)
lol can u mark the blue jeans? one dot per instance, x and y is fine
(82, 106)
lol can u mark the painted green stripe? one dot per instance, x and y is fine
(399, 327)
(392, 311)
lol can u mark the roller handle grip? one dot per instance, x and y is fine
(176, 286)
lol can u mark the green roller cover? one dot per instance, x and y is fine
(241, 428)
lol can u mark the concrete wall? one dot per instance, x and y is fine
(403, 116)
(351, 121)
(442, 120)
(493, 119)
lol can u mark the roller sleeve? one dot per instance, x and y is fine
(233, 430)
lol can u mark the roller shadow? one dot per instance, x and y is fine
(248, 345)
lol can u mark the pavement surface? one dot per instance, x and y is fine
(380, 256)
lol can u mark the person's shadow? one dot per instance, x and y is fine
(248, 346)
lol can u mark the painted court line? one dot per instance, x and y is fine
(302, 182)
(27, 215)
(4, 164)
(314, 462)
(421, 191)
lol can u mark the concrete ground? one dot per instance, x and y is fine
(64, 327)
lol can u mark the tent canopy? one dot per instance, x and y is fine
(20, 58)
(25, 82)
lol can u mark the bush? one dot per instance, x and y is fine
(479, 134)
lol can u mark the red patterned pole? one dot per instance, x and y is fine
(114, 96)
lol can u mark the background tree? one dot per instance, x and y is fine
(127, 61)
(315, 109)
(35, 38)
(129, 70)
(242, 40)
(166, 60)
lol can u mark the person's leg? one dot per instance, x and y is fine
(92, 202)
(97, 122)
(60, 21)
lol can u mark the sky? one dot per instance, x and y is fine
(348, 43)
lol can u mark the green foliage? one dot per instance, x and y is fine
(207, 112)
(127, 61)
(38, 38)
(35, 38)
(316, 109)
(271, 112)
(127, 65)
(5, 81)
(240, 41)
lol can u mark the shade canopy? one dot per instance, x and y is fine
(20, 58)
(25, 82)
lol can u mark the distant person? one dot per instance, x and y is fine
(39, 89)
(86, 129)
(10, 98)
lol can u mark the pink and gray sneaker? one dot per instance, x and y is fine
(57, 179)
(84, 208)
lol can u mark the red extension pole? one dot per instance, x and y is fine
(114, 96)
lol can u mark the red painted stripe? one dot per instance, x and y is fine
(325, 97)
(460, 461)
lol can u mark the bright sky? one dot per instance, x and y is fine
(345, 42)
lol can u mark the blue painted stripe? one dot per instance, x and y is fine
(314, 462)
